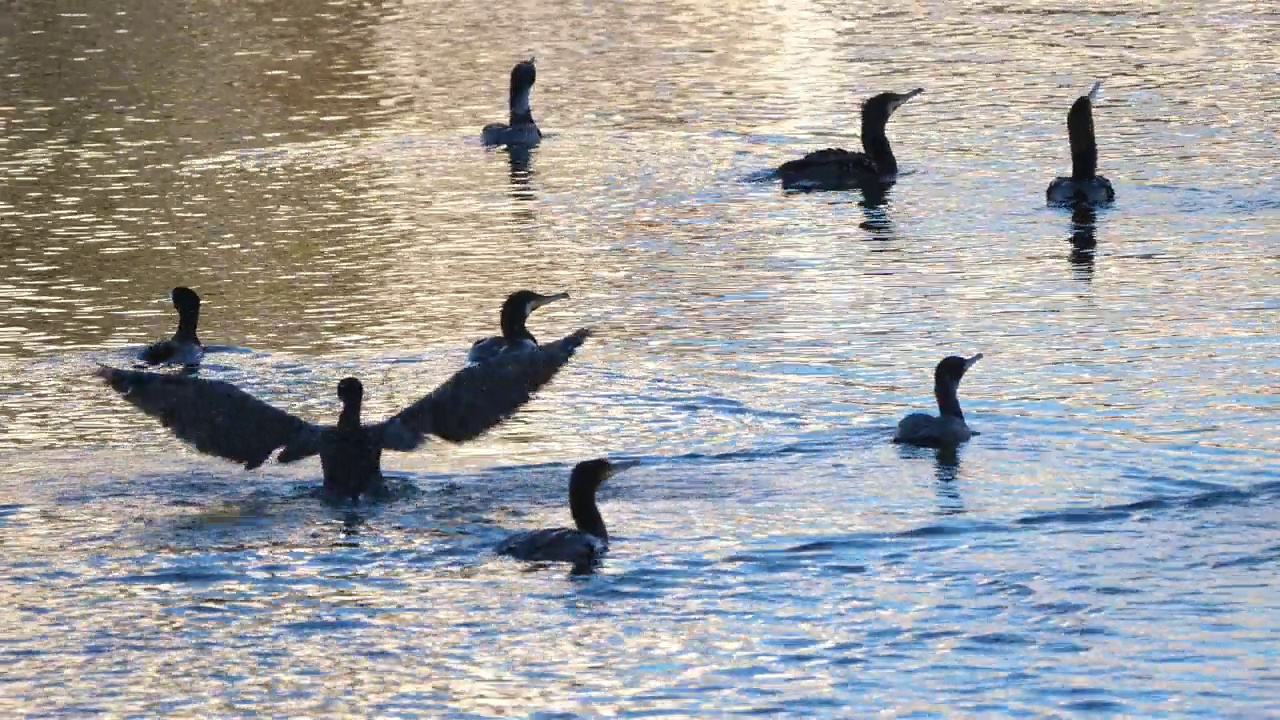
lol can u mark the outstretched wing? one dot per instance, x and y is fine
(479, 397)
(215, 416)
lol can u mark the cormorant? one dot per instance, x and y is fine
(220, 419)
(948, 428)
(590, 539)
(521, 130)
(836, 169)
(515, 337)
(1085, 184)
(184, 347)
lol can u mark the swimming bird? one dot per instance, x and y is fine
(184, 347)
(521, 131)
(948, 428)
(515, 337)
(836, 169)
(220, 419)
(1085, 184)
(590, 539)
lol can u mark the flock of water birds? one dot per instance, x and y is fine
(503, 372)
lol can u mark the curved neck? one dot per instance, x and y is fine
(521, 114)
(1084, 147)
(187, 320)
(513, 324)
(582, 504)
(948, 402)
(350, 417)
(876, 144)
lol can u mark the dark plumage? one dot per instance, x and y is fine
(1085, 184)
(948, 428)
(521, 129)
(515, 337)
(220, 419)
(590, 539)
(184, 347)
(836, 169)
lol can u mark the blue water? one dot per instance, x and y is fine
(1107, 546)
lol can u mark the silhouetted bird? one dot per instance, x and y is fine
(515, 335)
(837, 169)
(948, 428)
(590, 539)
(521, 130)
(220, 419)
(184, 347)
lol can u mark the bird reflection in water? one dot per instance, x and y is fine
(1084, 220)
(519, 173)
(946, 475)
(946, 472)
(875, 210)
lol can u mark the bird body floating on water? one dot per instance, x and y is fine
(948, 427)
(220, 419)
(520, 129)
(184, 348)
(515, 337)
(1085, 186)
(837, 169)
(590, 539)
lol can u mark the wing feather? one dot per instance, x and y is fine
(480, 396)
(215, 416)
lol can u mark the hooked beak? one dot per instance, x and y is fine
(620, 465)
(1094, 91)
(545, 299)
(902, 100)
(970, 362)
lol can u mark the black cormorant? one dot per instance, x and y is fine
(590, 539)
(1085, 184)
(521, 131)
(836, 169)
(948, 428)
(184, 347)
(220, 419)
(515, 337)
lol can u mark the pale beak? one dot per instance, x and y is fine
(535, 304)
(902, 100)
(620, 465)
(1094, 91)
(970, 362)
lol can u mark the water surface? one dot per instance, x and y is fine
(1107, 545)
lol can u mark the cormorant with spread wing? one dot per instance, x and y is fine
(220, 419)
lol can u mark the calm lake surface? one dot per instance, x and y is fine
(1108, 545)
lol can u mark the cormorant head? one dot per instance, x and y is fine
(523, 75)
(350, 390)
(185, 300)
(952, 368)
(882, 106)
(517, 308)
(1080, 116)
(588, 475)
(524, 302)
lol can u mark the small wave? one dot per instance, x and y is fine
(757, 177)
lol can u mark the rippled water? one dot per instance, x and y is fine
(1108, 544)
